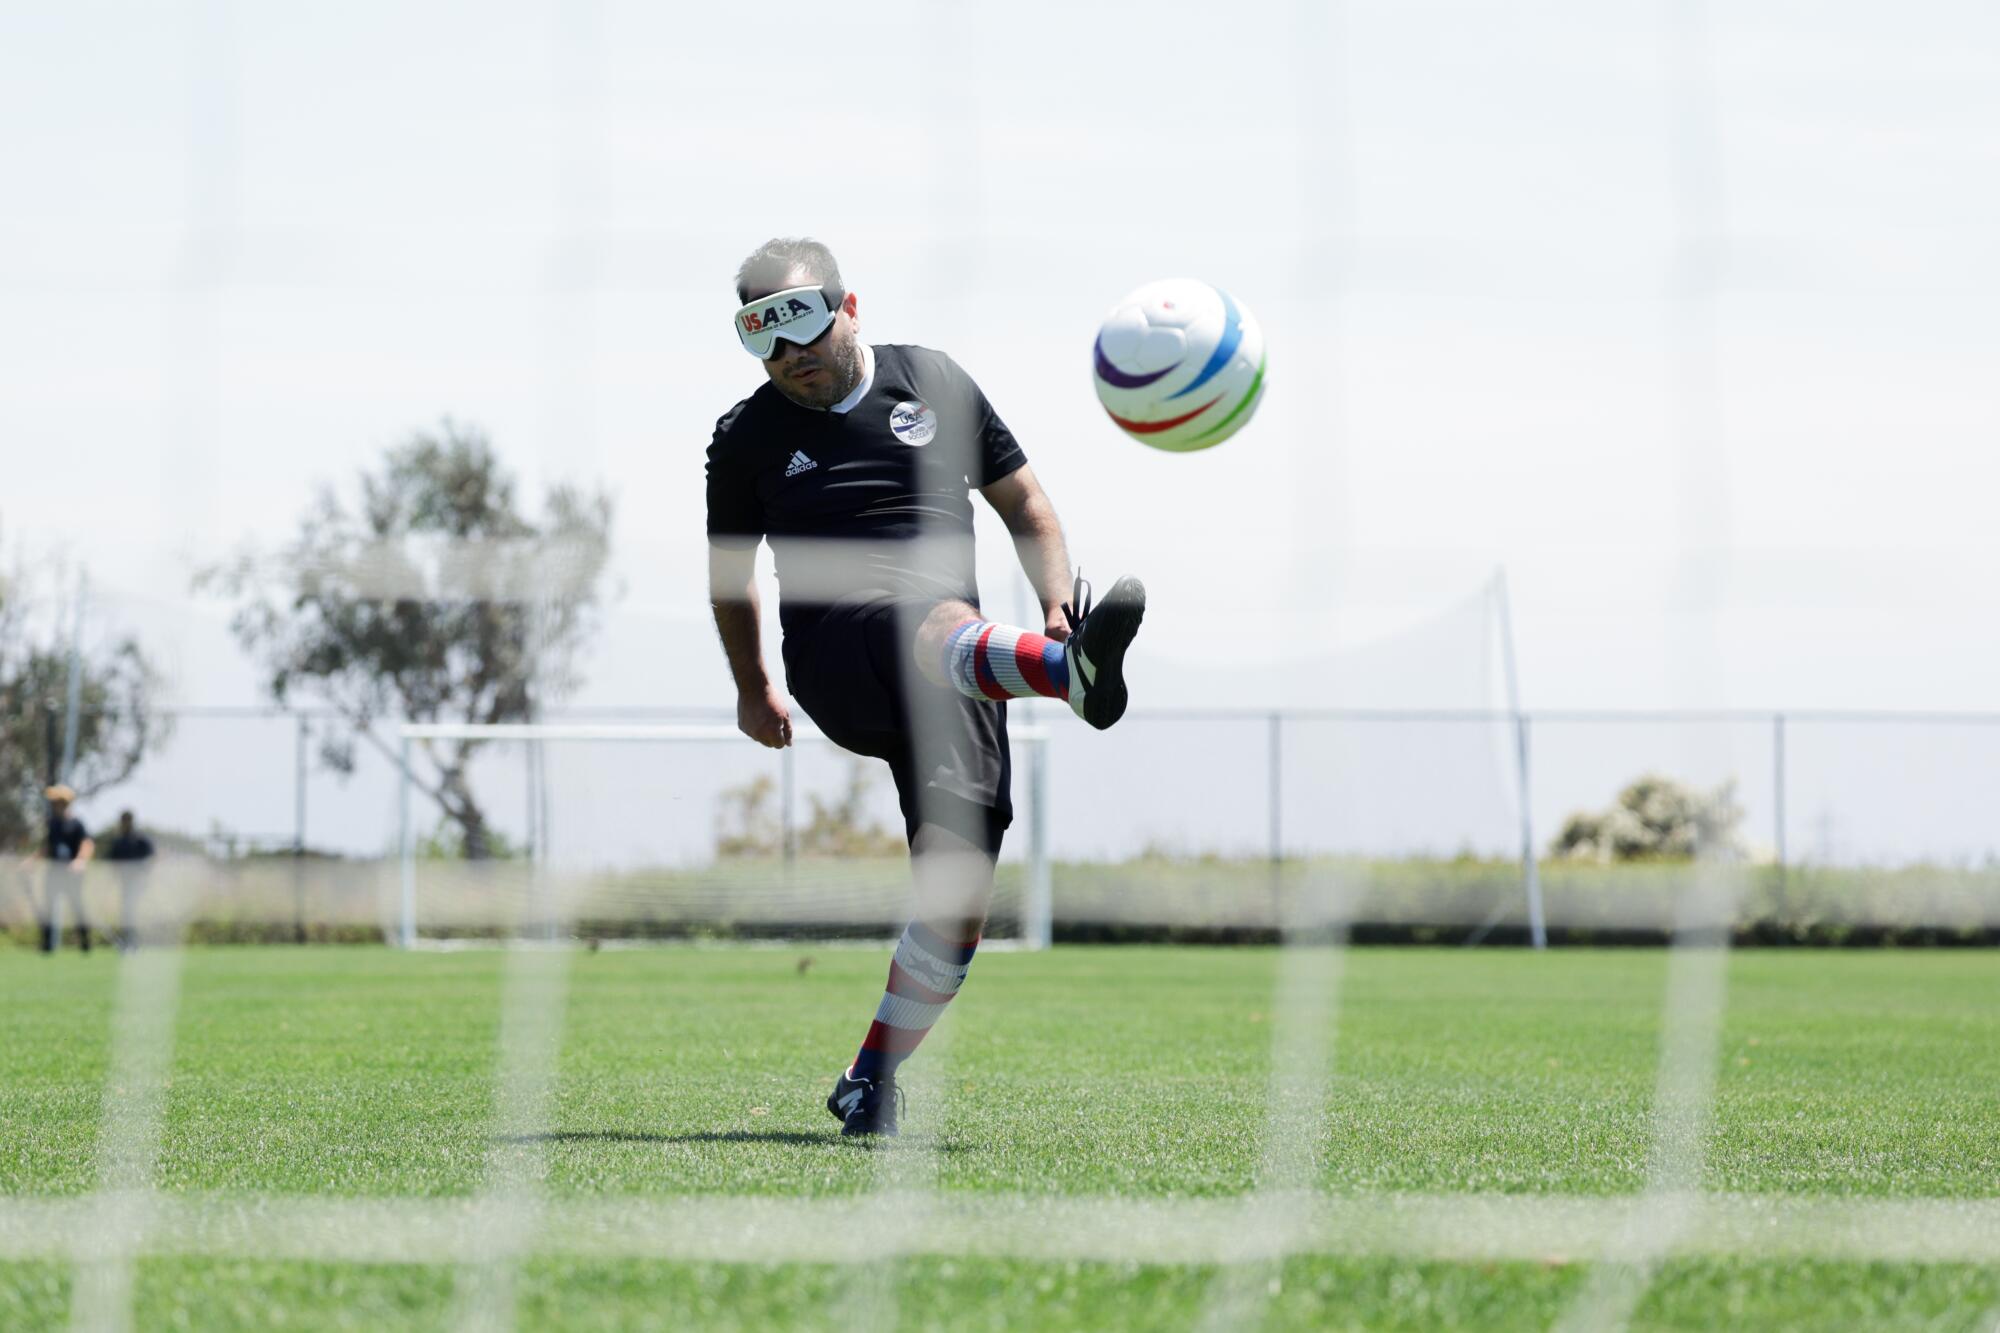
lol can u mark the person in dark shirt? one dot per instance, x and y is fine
(67, 848)
(856, 464)
(131, 852)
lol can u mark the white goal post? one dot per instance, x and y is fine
(688, 741)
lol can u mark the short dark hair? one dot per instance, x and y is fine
(771, 265)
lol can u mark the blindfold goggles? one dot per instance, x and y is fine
(797, 314)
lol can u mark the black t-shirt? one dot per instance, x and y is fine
(64, 839)
(839, 496)
(132, 847)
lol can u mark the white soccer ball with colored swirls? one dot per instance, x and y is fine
(1180, 365)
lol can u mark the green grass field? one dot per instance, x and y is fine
(1133, 1075)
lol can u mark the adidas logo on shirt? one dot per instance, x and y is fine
(800, 463)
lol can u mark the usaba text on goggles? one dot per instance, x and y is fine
(797, 314)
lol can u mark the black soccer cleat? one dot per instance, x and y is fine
(865, 1106)
(1098, 637)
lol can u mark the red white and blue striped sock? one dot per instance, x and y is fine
(989, 661)
(926, 972)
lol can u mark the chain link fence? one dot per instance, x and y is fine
(1193, 821)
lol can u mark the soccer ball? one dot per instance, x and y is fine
(1180, 366)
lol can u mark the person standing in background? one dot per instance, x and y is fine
(132, 853)
(67, 848)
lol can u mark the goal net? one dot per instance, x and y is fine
(628, 832)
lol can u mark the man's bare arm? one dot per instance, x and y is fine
(732, 594)
(1038, 539)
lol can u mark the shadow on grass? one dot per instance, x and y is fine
(768, 1136)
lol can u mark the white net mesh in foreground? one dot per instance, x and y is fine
(1461, 324)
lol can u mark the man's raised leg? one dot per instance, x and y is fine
(984, 659)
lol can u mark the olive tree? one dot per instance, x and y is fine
(426, 594)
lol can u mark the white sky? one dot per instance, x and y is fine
(244, 247)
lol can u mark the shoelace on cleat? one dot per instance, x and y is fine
(1080, 595)
(886, 1088)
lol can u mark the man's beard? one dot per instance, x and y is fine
(840, 371)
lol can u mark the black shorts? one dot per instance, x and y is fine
(853, 673)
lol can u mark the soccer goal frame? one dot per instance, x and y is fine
(1037, 897)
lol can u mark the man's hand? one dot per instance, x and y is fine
(732, 581)
(764, 718)
(1056, 624)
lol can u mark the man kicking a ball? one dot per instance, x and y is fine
(856, 464)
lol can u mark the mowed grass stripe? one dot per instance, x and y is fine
(1479, 1228)
(1306, 1293)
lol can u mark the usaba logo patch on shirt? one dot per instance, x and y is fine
(913, 422)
